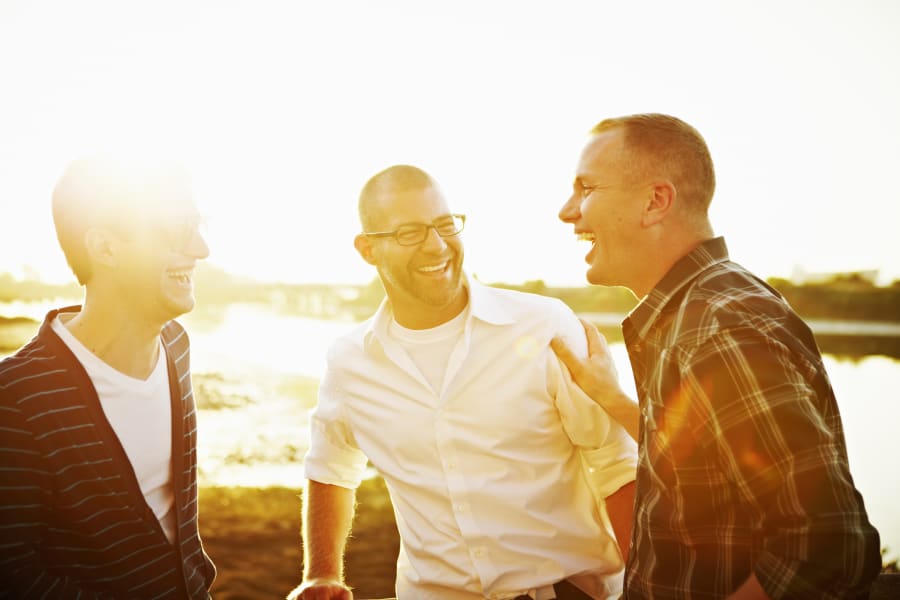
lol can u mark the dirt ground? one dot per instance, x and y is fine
(253, 536)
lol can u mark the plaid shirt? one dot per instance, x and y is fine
(742, 463)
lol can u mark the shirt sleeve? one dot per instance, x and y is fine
(766, 425)
(609, 453)
(333, 457)
(25, 516)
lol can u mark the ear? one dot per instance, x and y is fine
(363, 245)
(101, 248)
(660, 203)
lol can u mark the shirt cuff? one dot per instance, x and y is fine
(607, 472)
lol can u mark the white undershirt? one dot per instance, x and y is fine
(140, 414)
(430, 349)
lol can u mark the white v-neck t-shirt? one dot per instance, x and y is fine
(140, 413)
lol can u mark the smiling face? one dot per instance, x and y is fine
(423, 281)
(154, 271)
(605, 209)
(131, 232)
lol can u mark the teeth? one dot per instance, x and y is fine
(439, 267)
(183, 276)
(586, 237)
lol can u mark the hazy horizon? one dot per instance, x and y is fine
(282, 110)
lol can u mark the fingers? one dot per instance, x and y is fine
(562, 350)
(321, 591)
(596, 342)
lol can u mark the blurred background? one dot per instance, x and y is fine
(282, 110)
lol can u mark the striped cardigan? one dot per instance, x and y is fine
(73, 520)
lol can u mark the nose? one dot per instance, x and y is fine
(571, 209)
(433, 241)
(197, 246)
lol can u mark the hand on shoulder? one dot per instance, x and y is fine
(596, 375)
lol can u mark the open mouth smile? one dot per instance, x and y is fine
(434, 268)
(182, 276)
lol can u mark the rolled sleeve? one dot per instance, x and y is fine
(608, 452)
(333, 456)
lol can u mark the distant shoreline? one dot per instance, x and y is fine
(853, 338)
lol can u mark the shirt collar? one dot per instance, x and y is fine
(482, 306)
(688, 267)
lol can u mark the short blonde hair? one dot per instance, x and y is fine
(102, 190)
(658, 144)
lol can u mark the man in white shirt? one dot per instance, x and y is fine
(506, 480)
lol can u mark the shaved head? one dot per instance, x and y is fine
(385, 183)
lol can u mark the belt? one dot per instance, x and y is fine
(564, 591)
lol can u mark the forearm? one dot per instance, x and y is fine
(624, 411)
(327, 516)
(620, 509)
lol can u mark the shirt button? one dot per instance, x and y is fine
(460, 507)
(478, 553)
(451, 465)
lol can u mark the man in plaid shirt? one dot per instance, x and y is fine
(743, 485)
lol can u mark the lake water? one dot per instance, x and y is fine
(256, 371)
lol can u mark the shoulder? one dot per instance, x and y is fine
(34, 372)
(31, 359)
(527, 314)
(728, 297)
(521, 305)
(352, 341)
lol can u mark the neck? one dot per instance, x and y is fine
(416, 316)
(115, 337)
(663, 256)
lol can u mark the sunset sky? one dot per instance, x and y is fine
(282, 110)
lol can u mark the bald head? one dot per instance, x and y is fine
(383, 185)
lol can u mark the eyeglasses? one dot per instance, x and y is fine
(181, 233)
(178, 232)
(411, 234)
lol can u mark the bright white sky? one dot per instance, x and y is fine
(282, 110)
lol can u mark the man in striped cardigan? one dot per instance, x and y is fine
(98, 478)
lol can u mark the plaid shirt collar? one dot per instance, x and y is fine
(639, 321)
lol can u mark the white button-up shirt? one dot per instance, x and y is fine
(495, 481)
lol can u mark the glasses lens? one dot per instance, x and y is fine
(416, 233)
(447, 227)
(407, 235)
(183, 233)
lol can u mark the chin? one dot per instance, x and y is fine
(174, 308)
(596, 276)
